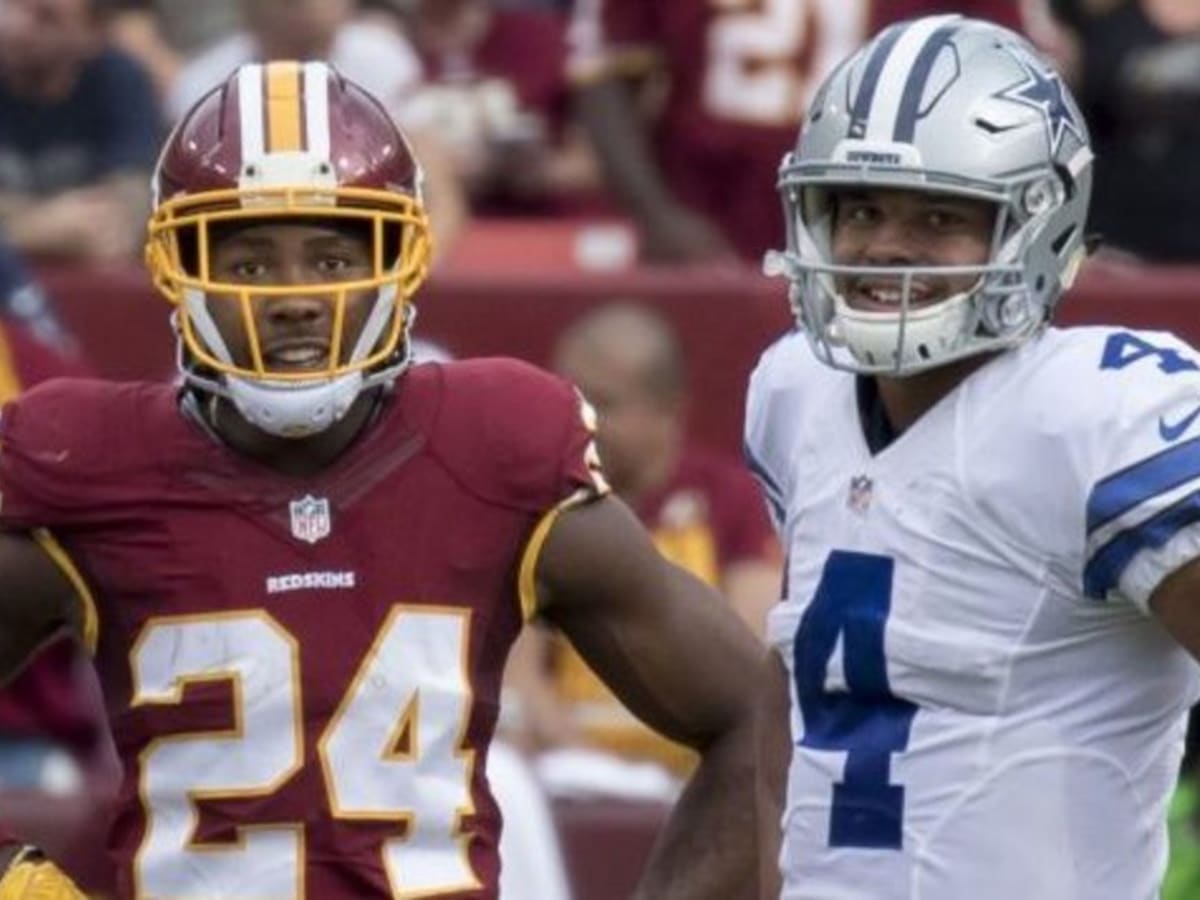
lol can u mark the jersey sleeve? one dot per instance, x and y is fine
(518, 436)
(69, 453)
(1142, 466)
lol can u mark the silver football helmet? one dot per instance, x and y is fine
(955, 106)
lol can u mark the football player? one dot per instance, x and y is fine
(986, 646)
(302, 568)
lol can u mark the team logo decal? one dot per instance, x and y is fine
(311, 520)
(861, 490)
(1043, 90)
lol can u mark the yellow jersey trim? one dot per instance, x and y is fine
(10, 381)
(527, 574)
(83, 594)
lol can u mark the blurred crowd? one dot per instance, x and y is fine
(671, 116)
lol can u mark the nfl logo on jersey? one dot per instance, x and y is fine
(859, 498)
(310, 518)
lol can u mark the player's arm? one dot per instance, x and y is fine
(36, 601)
(679, 658)
(1176, 602)
(774, 755)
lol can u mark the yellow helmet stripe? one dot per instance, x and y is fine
(285, 118)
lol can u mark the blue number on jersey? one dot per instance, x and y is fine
(868, 721)
(1123, 349)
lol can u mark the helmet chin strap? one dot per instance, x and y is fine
(910, 341)
(289, 410)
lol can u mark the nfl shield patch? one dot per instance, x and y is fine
(310, 518)
(861, 489)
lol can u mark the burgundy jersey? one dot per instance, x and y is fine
(302, 674)
(741, 75)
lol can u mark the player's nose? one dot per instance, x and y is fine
(291, 309)
(891, 242)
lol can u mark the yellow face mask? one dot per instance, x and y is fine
(179, 257)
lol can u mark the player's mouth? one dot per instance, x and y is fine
(888, 295)
(297, 356)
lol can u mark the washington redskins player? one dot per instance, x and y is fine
(302, 566)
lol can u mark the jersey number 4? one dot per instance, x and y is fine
(863, 718)
(397, 735)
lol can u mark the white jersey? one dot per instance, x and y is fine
(982, 706)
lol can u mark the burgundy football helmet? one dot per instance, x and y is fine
(288, 141)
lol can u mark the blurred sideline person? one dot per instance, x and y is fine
(302, 566)
(79, 125)
(381, 59)
(701, 508)
(496, 94)
(689, 105)
(986, 650)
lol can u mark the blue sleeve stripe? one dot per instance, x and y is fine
(1106, 565)
(770, 487)
(1145, 479)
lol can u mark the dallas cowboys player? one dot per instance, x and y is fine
(991, 524)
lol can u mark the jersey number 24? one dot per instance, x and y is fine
(396, 736)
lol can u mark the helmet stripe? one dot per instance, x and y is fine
(861, 110)
(316, 108)
(914, 88)
(892, 80)
(250, 111)
(284, 112)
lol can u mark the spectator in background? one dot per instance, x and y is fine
(377, 58)
(368, 53)
(495, 91)
(701, 508)
(1135, 65)
(738, 76)
(162, 34)
(79, 128)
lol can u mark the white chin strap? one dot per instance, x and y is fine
(930, 335)
(291, 410)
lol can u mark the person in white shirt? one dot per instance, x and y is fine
(379, 58)
(989, 625)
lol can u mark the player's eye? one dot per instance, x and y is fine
(859, 213)
(246, 269)
(333, 265)
(944, 219)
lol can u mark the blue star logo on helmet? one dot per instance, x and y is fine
(1043, 89)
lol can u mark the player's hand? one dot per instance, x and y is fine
(30, 876)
